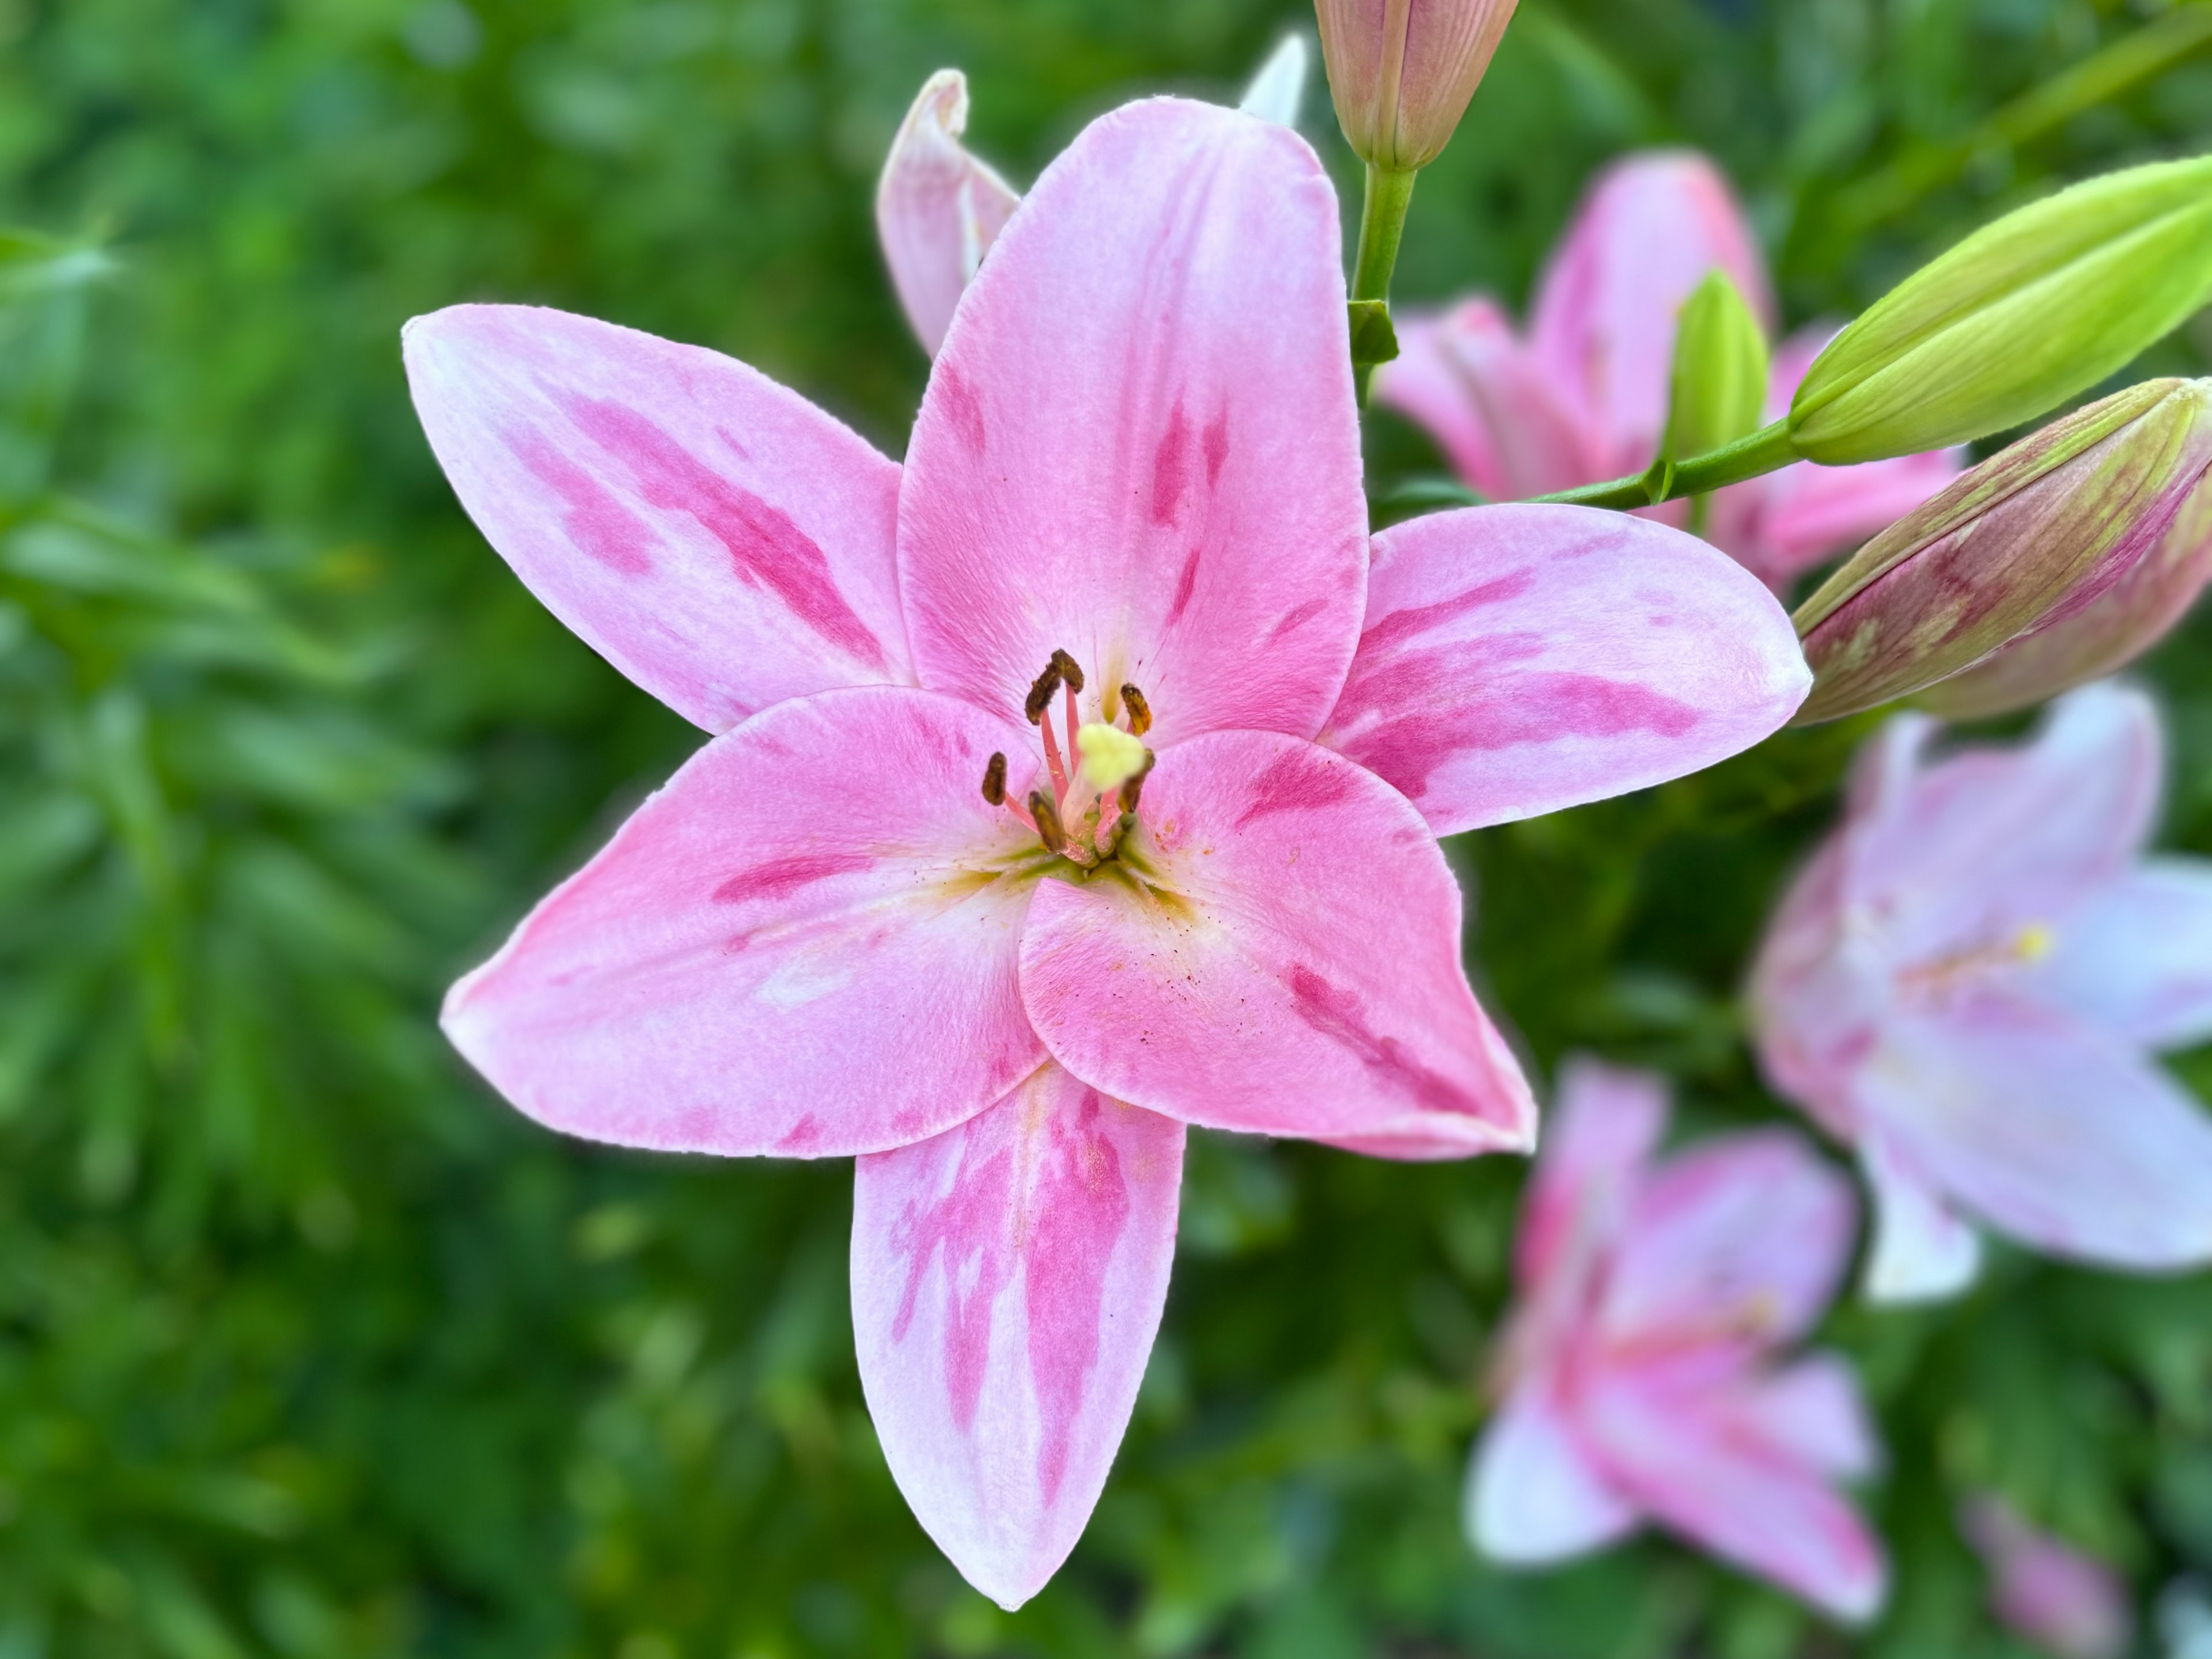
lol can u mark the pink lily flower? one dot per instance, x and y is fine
(1076, 782)
(1639, 1377)
(1584, 397)
(2070, 1605)
(1967, 984)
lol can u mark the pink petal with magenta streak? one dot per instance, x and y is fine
(1690, 1463)
(1740, 1242)
(715, 537)
(1139, 442)
(1606, 1126)
(1519, 660)
(804, 945)
(1278, 953)
(1008, 1277)
(1648, 233)
(938, 209)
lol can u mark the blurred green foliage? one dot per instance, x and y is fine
(309, 1348)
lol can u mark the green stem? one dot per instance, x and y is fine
(1381, 228)
(1765, 451)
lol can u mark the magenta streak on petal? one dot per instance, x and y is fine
(803, 1134)
(594, 519)
(1185, 585)
(765, 547)
(1294, 782)
(970, 1223)
(1078, 1213)
(1418, 619)
(1171, 468)
(1541, 707)
(1295, 619)
(780, 877)
(958, 401)
(1337, 1015)
(1216, 447)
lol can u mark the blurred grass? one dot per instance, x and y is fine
(308, 1347)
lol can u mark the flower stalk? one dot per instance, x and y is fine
(1382, 228)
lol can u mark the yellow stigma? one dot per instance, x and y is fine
(1111, 756)
(2035, 942)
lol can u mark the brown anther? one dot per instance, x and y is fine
(1070, 670)
(1040, 697)
(1140, 711)
(1135, 787)
(1050, 830)
(994, 781)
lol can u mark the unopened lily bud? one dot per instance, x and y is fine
(2034, 539)
(2102, 637)
(2021, 316)
(1401, 71)
(1720, 371)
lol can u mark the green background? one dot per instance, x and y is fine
(309, 1347)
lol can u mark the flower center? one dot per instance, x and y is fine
(1946, 974)
(1095, 780)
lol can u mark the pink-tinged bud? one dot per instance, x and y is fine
(2098, 510)
(938, 209)
(1401, 71)
(2067, 1603)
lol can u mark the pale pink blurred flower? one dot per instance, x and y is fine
(1641, 1377)
(1968, 982)
(2070, 1605)
(1582, 397)
(914, 903)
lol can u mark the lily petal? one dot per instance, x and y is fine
(1532, 1495)
(1164, 479)
(2051, 1130)
(1922, 1251)
(1811, 1411)
(1008, 1277)
(1521, 659)
(804, 945)
(1737, 1497)
(1741, 1241)
(2137, 959)
(1489, 404)
(1603, 1131)
(1279, 956)
(2075, 806)
(938, 209)
(1280, 86)
(1650, 230)
(716, 538)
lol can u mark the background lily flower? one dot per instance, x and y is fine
(1076, 782)
(1967, 983)
(939, 209)
(1639, 1378)
(2070, 1605)
(1582, 397)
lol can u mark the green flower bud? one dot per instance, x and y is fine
(1720, 371)
(2021, 316)
(2026, 541)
